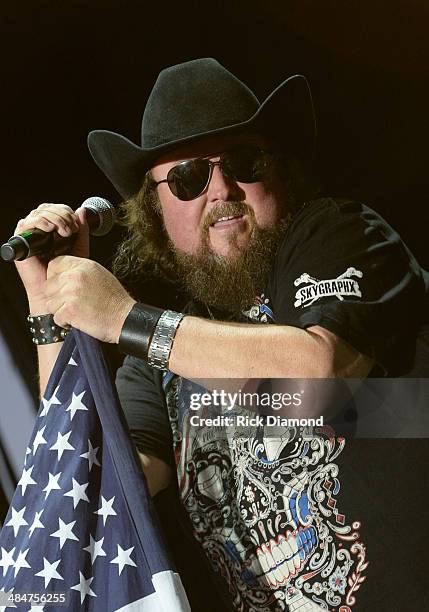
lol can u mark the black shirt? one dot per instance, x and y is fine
(342, 267)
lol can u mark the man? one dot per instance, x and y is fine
(218, 202)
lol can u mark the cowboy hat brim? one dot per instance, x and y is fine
(287, 115)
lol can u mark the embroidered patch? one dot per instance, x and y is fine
(340, 287)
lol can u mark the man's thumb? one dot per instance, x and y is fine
(81, 245)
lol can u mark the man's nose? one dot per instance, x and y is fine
(222, 187)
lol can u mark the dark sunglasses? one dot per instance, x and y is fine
(190, 178)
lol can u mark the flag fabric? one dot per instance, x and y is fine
(81, 525)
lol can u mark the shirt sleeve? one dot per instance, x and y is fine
(341, 266)
(140, 393)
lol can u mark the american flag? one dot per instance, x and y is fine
(81, 520)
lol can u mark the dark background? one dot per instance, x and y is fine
(78, 65)
(74, 66)
(70, 67)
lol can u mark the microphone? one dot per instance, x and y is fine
(100, 216)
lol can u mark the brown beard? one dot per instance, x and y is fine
(230, 284)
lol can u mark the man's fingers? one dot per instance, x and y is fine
(52, 217)
(60, 207)
(61, 220)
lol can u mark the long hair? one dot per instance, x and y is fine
(145, 251)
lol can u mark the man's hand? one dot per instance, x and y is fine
(49, 218)
(83, 294)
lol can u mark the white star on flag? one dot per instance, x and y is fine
(77, 492)
(52, 483)
(76, 404)
(17, 520)
(106, 509)
(21, 561)
(49, 571)
(64, 532)
(123, 558)
(91, 455)
(54, 401)
(95, 548)
(62, 444)
(84, 587)
(39, 439)
(36, 524)
(72, 362)
(26, 479)
(6, 559)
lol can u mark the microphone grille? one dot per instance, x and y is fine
(106, 213)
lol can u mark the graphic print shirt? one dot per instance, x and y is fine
(264, 508)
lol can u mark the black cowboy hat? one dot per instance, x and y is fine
(202, 98)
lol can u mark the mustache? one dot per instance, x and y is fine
(226, 209)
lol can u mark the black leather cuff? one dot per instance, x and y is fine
(138, 330)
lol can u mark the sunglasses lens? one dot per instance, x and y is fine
(246, 165)
(189, 179)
